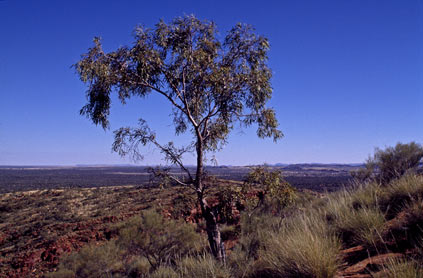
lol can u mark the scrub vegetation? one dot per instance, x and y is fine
(372, 229)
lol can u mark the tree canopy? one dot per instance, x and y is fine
(210, 84)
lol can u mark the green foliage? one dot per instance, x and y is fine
(159, 240)
(271, 185)
(360, 215)
(145, 244)
(91, 261)
(229, 198)
(182, 204)
(202, 77)
(391, 163)
(139, 267)
(210, 84)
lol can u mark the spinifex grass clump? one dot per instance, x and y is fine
(255, 229)
(400, 268)
(355, 217)
(203, 266)
(401, 193)
(303, 247)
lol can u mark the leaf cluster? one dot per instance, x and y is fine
(210, 84)
(270, 184)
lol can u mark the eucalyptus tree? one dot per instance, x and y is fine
(211, 86)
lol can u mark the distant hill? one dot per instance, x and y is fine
(319, 177)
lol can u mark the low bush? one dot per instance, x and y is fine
(273, 190)
(91, 261)
(391, 163)
(139, 267)
(145, 243)
(157, 239)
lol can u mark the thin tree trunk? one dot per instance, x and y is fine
(212, 227)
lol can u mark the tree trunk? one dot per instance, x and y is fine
(213, 232)
(209, 214)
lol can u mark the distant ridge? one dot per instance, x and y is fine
(283, 165)
(107, 165)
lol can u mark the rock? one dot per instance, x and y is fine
(352, 250)
(376, 261)
(354, 276)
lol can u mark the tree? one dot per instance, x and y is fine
(391, 163)
(210, 85)
(272, 186)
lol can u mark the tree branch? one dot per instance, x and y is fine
(174, 157)
(178, 93)
(178, 181)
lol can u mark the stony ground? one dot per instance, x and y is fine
(37, 227)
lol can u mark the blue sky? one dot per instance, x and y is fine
(347, 77)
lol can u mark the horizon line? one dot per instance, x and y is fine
(155, 165)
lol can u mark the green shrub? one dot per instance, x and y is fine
(304, 247)
(229, 197)
(157, 239)
(139, 267)
(391, 163)
(273, 189)
(145, 243)
(91, 261)
(182, 205)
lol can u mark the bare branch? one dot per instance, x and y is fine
(174, 155)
